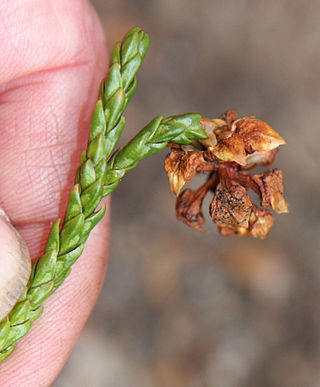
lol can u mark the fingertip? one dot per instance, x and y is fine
(62, 32)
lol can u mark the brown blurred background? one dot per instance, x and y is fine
(181, 308)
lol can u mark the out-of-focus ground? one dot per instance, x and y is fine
(182, 308)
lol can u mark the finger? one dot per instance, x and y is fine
(45, 114)
(44, 118)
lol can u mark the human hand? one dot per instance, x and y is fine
(53, 57)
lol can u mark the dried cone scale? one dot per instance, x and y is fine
(15, 265)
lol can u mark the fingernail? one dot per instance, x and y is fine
(15, 265)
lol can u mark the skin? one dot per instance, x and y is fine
(53, 58)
